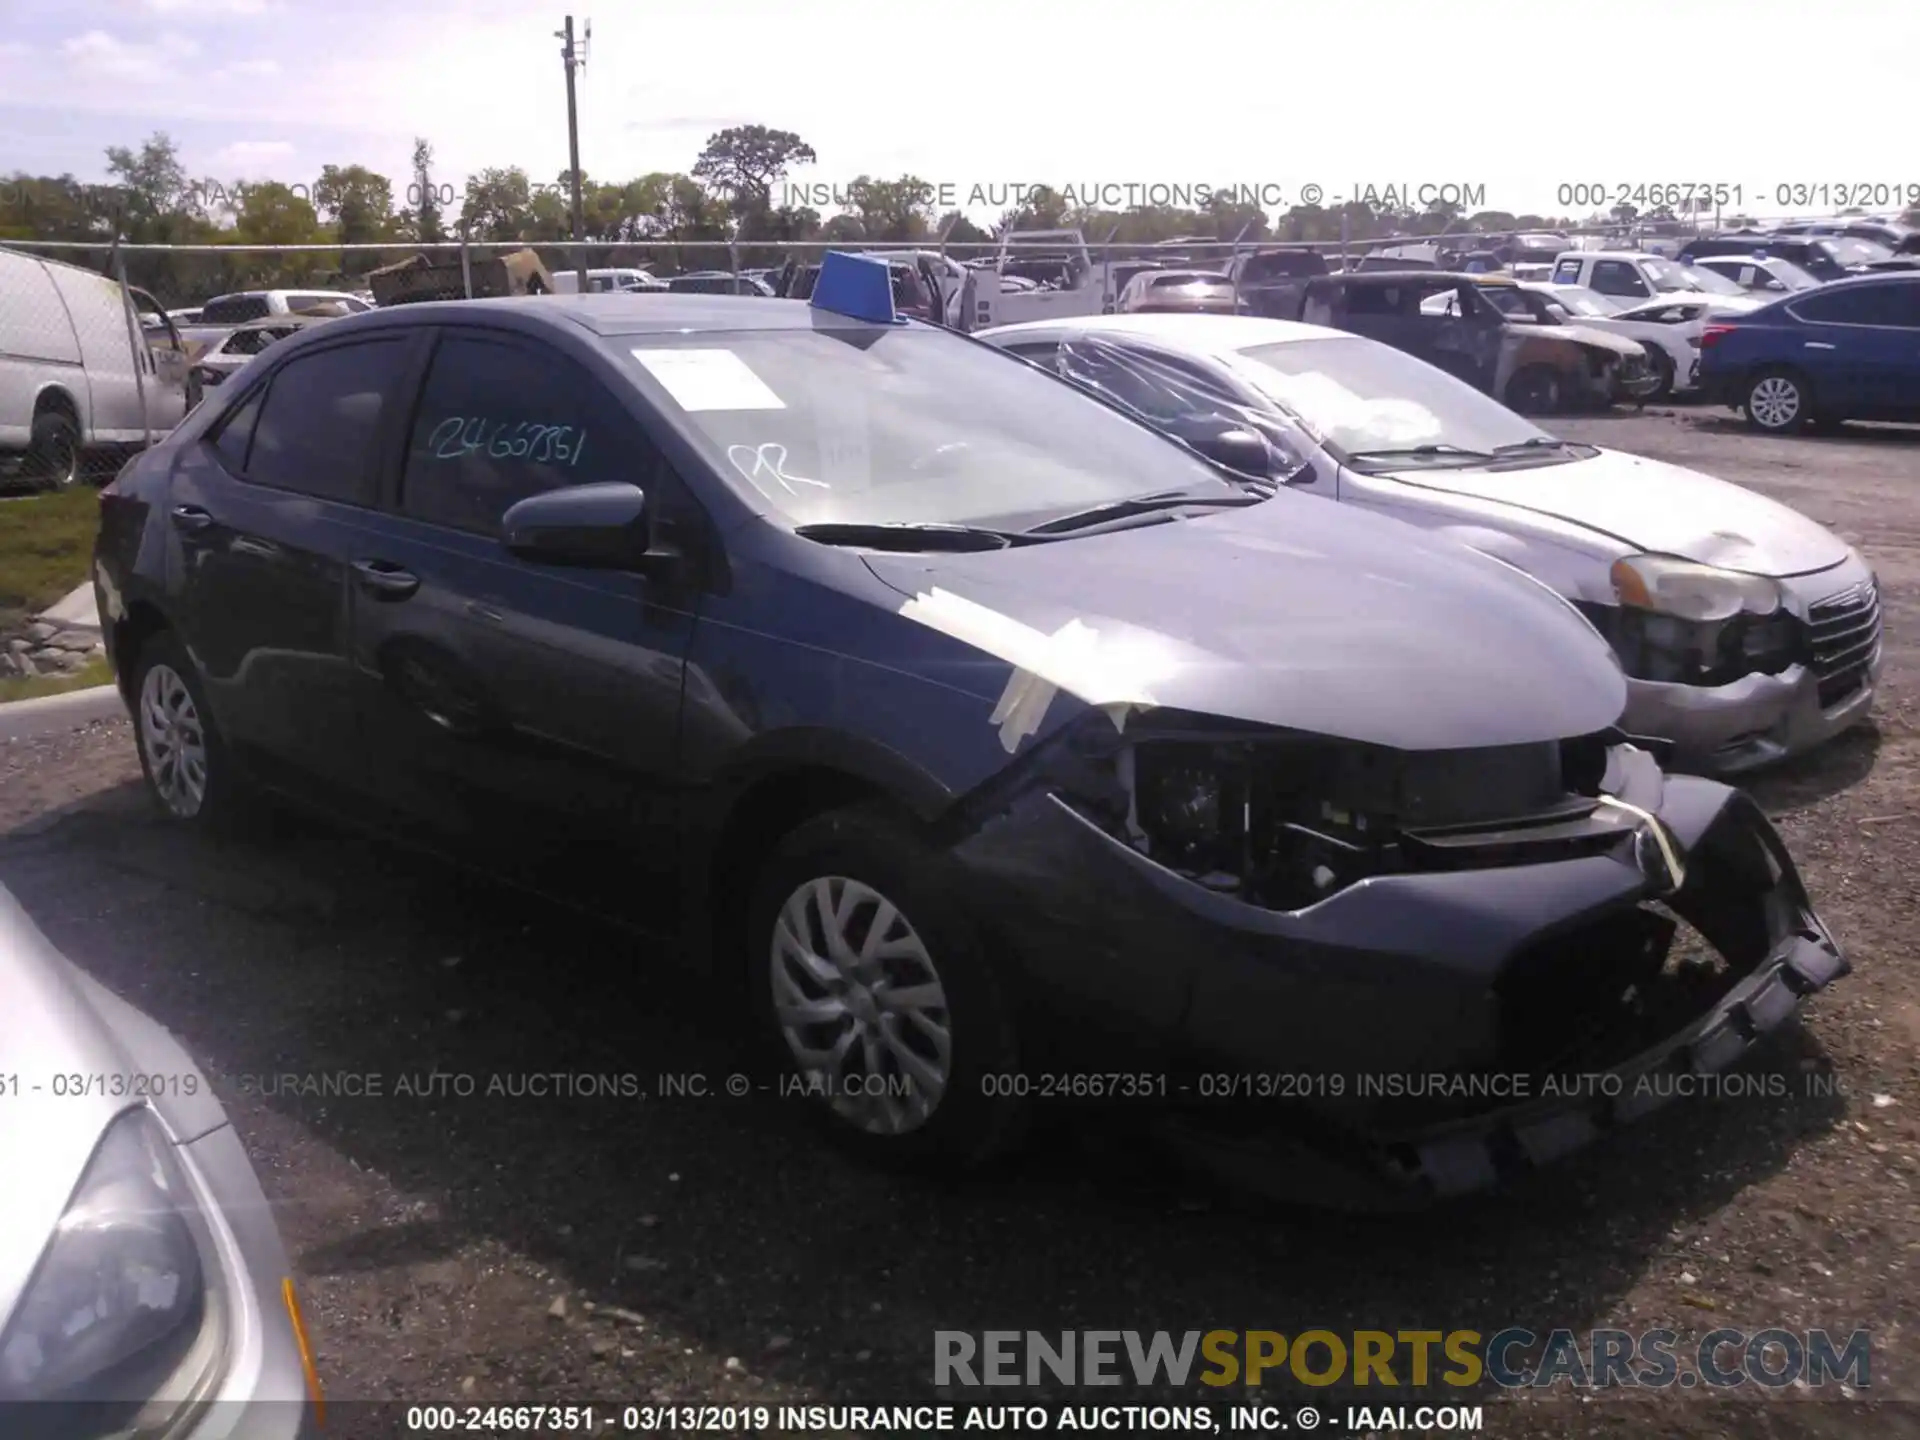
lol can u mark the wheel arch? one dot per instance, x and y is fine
(787, 779)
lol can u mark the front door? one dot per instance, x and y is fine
(528, 714)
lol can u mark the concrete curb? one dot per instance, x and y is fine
(50, 714)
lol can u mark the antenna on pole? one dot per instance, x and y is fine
(574, 58)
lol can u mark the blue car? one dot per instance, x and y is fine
(970, 733)
(1847, 351)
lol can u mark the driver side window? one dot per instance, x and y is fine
(498, 422)
(1616, 277)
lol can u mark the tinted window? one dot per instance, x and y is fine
(1902, 304)
(236, 431)
(1616, 277)
(322, 413)
(235, 310)
(1854, 305)
(498, 422)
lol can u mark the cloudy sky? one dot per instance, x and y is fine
(1519, 99)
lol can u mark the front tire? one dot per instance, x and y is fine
(189, 769)
(1778, 401)
(875, 995)
(1663, 368)
(1535, 391)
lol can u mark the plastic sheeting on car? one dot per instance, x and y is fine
(1176, 400)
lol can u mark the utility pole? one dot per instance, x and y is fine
(575, 59)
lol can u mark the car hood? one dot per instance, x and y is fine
(1654, 506)
(1293, 613)
(1587, 335)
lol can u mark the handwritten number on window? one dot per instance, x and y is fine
(459, 436)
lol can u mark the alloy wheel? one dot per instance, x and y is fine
(860, 1005)
(174, 741)
(1774, 403)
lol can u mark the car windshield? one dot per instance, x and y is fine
(1849, 250)
(1360, 396)
(1669, 277)
(1578, 300)
(872, 425)
(1791, 275)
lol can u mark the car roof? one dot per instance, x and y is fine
(1203, 334)
(611, 313)
(1388, 277)
(1606, 255)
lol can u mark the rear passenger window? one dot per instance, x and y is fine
(1567, 272)
(1850, 305)
(236, 310)
(501, 421)
(235, 434)
(321, 417)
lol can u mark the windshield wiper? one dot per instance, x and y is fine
(1141, 505)
(1445, 452)
(1538, 442)
(927, 535)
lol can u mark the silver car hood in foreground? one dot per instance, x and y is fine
(1653, 506)
(66, 1075)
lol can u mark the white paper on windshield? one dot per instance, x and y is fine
(709, 380)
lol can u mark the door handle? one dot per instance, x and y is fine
(384, 580)
(1816, 345)
(191, 518)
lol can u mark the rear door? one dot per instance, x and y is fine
(267, 512)
(528, 715)
(1857, 359)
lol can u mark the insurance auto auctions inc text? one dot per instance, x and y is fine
(1512, 1358)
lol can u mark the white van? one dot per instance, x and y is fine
(68, 378)
(567, 282)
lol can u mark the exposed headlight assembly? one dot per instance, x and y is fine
(122, 1323)
(1680, 588)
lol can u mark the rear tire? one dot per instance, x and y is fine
(189, 769)
(863, 970)
(1778, 401)
(53, 452)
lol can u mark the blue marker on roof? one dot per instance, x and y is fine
(859, 287)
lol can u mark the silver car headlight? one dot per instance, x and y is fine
(1669, 586)
(123, 1320)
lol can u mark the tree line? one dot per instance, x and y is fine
(732, 194)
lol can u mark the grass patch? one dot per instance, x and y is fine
(46, 548)
(94, 672)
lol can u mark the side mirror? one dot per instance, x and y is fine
(584, 527)
(1238, 450)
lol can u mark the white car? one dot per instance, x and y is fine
(244, 305)
(1628, 277)
(1764, 275)
(1747, 631)
(1669, 326)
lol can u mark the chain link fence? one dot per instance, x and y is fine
(105, 347)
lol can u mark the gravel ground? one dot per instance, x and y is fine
(707, 1249)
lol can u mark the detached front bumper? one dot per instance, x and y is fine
(1302, 1046)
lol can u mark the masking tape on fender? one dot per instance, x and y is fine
(1074, 658)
